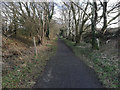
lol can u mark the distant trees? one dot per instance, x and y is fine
(77, 18)
(80, 19)
(29, 18)
(83, 15)
(49, 10)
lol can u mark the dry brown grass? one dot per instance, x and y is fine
(20, 59)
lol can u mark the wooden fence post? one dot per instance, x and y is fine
(35, 46)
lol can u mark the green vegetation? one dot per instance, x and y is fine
(107, 69)
(25, 76)
(32, 26)
(26, 32)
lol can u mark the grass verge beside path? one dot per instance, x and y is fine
(25, 76)
(106, 67)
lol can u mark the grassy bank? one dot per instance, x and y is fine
(25, 73)
(105, 66)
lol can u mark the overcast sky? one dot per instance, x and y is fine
(58, 7)
(58, 11)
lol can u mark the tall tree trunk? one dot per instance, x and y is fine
(103, 30)
(69, 24)
(94, 20)
(43, 27)
(104, 17)
(47, 31)
(76, 25)
(93, 33)
(77, 36)
(42, 36)
(15, 22)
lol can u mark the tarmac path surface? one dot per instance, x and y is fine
(65, 70)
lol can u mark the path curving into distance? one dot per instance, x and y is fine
(65, 70)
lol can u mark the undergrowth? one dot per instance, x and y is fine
(25, 77)
(106, 68)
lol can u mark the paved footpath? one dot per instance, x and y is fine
(65, 70)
